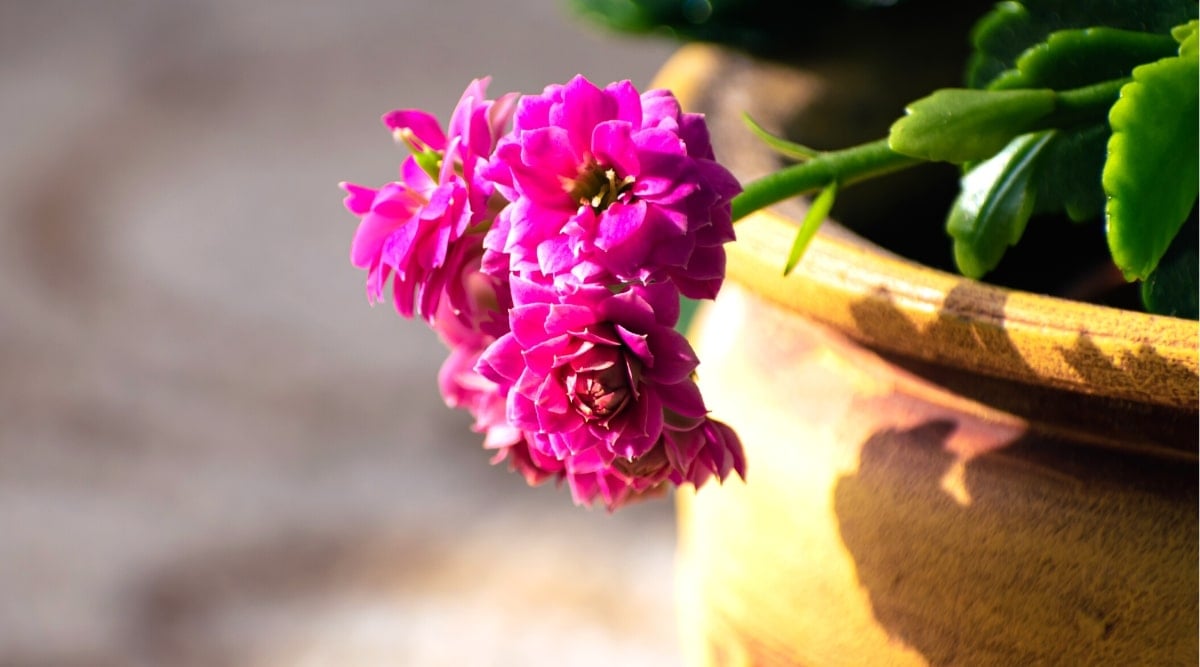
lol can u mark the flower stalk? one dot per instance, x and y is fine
(876, 158)
(846, 166)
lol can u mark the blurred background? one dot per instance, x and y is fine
(212, 450)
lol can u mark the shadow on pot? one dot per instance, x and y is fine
(1063, 554)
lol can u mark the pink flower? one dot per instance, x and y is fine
(550, 261)
(603, 383)
(610, 187)
(585, 368)
(702, 452)
(586, 475)
(414, 227)
(464, 388)
(591, 476)
(692, 455)
(590, 479)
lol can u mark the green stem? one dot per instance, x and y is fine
(845, 166)
(1086, 104)
(864, 161)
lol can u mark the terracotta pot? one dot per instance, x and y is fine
(940, 471)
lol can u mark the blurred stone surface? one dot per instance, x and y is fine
(212, 451)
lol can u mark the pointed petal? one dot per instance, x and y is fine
(682, 398)
(584, 106)
(358, 198)
(674, 359)
(422, 124)
(501, 362)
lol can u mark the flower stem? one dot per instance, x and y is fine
(864, 161)
(845, 166)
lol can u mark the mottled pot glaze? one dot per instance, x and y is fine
(940, 472)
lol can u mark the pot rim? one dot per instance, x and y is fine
(897, 305)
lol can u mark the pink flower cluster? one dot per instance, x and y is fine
(551, 258)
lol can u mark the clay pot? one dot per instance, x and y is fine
(940, 471)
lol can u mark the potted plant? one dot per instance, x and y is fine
(945, 471)
(941, 470)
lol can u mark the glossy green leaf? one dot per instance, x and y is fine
(1002, 35)
(959, 125)
(818, 210)
(1068, 177)
(1151, 173)
(997, 198)
(1171, 288)
(1075, 58)
(782, 146)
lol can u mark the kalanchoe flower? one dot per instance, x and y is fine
(588, 368)
(587, 475)
(700, 453)
(464, 388)
(609, 187)
(412, 227)
(601, 381)
(591, 480)
(590, 483)
(550, 262)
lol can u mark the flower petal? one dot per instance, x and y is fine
(501, 362)
(613, 146)
(421, 123)
(674, 359)
(584, 106)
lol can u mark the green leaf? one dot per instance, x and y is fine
(758, 26)
(1075, 58)
(782, 146)
(1151, 173)
(1003, 34)
(1171, 288)
(999, 37)
(959, 125)
(1186, 36)
(817, 212)
(1068, 177)
(997, 198)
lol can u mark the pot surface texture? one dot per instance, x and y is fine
(940, 471)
